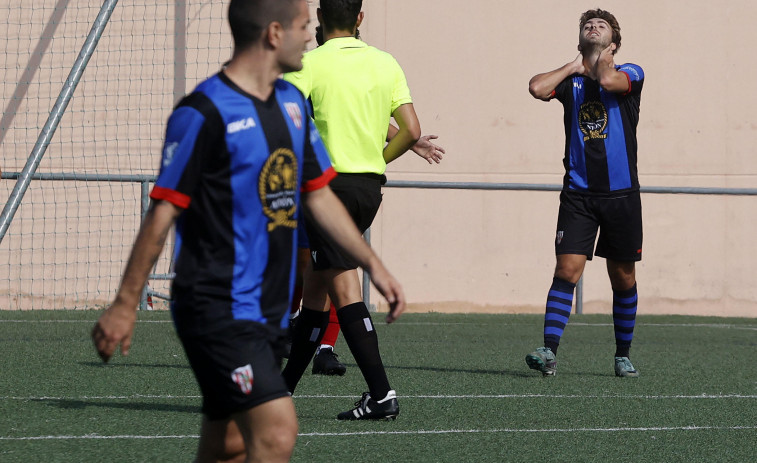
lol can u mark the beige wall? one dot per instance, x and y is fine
(468, 66)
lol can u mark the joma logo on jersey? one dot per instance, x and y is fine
(242, 124)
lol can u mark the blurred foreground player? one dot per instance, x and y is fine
(240, 153)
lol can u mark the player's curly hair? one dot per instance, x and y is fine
(606, 16)
(340, 14)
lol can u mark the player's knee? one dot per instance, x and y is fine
(622, 282)
(228, 448)
(569, 273)
(277, 442)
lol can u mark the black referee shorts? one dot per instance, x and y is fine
(237, 367)
(361, 196)
(618, 219)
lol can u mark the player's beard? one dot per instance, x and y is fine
(591, 47)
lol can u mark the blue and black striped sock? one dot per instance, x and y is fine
(559, 304)
(624, 304)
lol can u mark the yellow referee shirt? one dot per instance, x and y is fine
(355, 89)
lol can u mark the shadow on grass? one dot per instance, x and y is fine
(479, 371)
(132, 365)
(524, 373)
(73, 404)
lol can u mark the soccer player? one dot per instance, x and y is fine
(601, 186)
(240, 157)
(354, 123)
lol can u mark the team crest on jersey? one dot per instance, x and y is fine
(277, 187)
(592, 119)
(243, 377)
(293, 109)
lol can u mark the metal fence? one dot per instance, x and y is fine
(178, 27)
(146, 180)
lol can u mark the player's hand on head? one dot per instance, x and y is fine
(429, 150)
(115, 326)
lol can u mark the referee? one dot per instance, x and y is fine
(355, 90)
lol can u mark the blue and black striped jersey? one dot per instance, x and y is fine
(600, 133)
(237, 165)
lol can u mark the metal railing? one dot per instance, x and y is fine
(146, 180)
(545, 187)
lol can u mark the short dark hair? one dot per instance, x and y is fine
(248, 18)
(340, 14)
(606, 16)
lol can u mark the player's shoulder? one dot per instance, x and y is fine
(202, 103)
(288, 91)
(196, 104)
(634, 70)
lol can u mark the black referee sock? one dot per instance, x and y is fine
(307, 333)
(360, 335)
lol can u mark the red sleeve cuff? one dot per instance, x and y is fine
(628, 78)
(173, 197)
(552, 95)
(319, 182)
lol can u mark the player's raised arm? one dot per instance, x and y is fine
(331, 216)
(116, 325)
(608, 77)
(542, 85)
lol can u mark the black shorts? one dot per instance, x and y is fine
(361, 196)
(618, 219)
(237, 367)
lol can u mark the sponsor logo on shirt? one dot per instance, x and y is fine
(592, 119)
(277, 187)
(238, 126)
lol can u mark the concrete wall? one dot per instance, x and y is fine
(468, 66)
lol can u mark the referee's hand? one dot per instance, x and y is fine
(115, 326)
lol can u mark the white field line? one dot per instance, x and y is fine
(415, 432)
(442, 397)
(671, 325)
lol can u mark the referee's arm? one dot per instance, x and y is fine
(409, 132)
